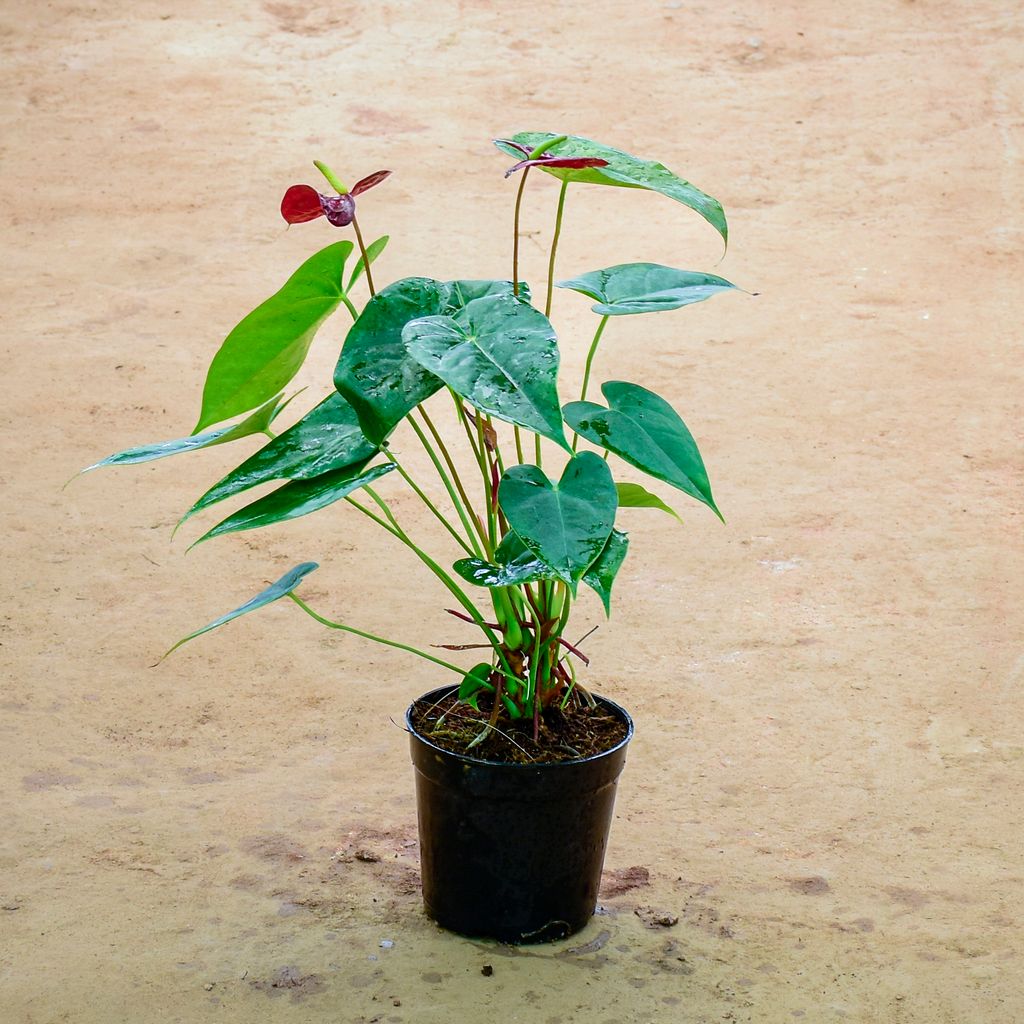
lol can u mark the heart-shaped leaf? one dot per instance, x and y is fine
(265, 350)
(327, 438)
(566, 525)
(254, 423)
(647, 432)
(601, 575)
(620, 169)
(375, 371)
(284, 586)
(635, 496)
(645, 288)
(514, 563)
(500, 354)
(298, 498)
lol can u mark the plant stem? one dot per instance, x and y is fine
(485, 468)
(515, 233)
(586, 371)
(554, 247)
(348, 305)
(456, 591)
(395, 530)
(430, 505)
(370, 636)
(461, 500)
(366, 259)
(478, 445)
(464, 420)
(515, 277)
(590, 357)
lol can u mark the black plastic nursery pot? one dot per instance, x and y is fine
(509, 851)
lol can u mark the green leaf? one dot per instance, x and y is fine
(635, 496)
(601, 575)
(645, 288)
(623, 170)
(514, 563)
(298, 498)
(475, 680)
(500, 354)
(255, 423)
(266, 349)
(373, 250)
(284, 586)
(375, 372)
(647, 432)
(567, 524)
(327, 438)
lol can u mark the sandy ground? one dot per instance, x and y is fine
(825, 784)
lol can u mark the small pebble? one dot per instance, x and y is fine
(487, 970)
(208, 986)
(396, 1002)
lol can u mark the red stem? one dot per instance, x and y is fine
(466, 618)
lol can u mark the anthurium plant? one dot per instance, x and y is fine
(529, 500)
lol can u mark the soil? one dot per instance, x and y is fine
(825, 784)
(581, 731)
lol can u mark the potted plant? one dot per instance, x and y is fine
(516, 761)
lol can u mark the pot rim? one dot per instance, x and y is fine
(444, 691)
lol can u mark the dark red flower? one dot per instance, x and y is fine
(550, 160)
(302, 202)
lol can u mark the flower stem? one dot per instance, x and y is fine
(515, 233)
(366, 259)
(554, 246)
(378, 639)
(515, 276)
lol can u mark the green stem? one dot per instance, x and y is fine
(554, 246)
(515, 233)
(430, 505)
(464, 420)
(379, 639)
(348, 305)
(456, 591)
(458, 494)
(515, 277)
(366, 259)
(586, 371)
(479, 448)
(485, 468)
(395, 531)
